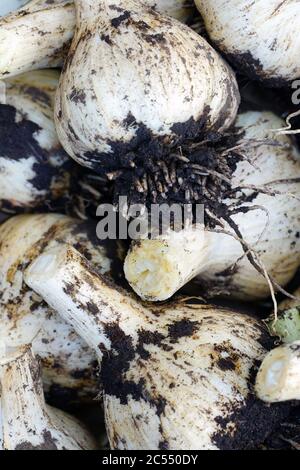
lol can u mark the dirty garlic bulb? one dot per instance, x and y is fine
(260, 38)
(26, 422)
(176, 376)
(41, 31)
(263, 217)
(68, 362)
(35, 171)
(136, 79)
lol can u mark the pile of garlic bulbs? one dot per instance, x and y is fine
(103, 99)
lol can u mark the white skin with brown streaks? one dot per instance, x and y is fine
(68, 362)
(261, 37)
(26, 422)
(176, 376)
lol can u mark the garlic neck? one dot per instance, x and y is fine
(157, 269)
(88, 302)
(22, 403)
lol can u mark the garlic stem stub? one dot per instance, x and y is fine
(27, 423)
(257, 213)
(35, 171)
(278, 378)
(287, 325)
(68, 362)
(42, 31)
(156, 360)
(137, 83)
(259, 38)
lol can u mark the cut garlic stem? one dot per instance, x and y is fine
(156, 269)
(156, 360)
(278, 378)
(54, 275)
(268, 223)
(27, 422)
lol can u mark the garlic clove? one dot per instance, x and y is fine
(68, 362)
(278, 378)
(27, 423)
(35, 171)
(260, 38)
(196, 354)
(268, 222)
(115, 64)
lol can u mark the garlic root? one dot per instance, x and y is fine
(175, 376)
(27, 423)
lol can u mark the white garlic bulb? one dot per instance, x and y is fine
(135, 78)
(34, 169)
(265, 210)
(41, 31)
(260, 38)
(68, 362)
(26, 422)
(174, 376)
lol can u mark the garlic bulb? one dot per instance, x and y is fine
(27, 423)
(68, 362)
(278, 378)
(260, 38)
(34, 169)
(41, 32)
(260, 215)
(175, 376)
(137, 81)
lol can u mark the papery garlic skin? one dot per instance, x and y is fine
(42, 36)
(34, 169)
(259, 38)
(156, 269)
(175, 376)
(115, 95)
(68, 362)
(27, 422)
(278, 378)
